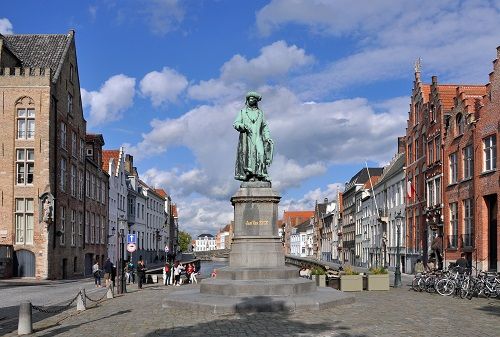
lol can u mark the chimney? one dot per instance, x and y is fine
(401, 144)
(325, 201)
(129, 164)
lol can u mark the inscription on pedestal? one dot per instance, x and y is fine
(257, 222)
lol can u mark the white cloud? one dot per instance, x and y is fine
(394, 34)
(6, 26)
(163, 16)
(309, 199)
(163, 86)
(275, 61)
(114, 97)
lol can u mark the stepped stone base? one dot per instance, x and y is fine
(192, 299)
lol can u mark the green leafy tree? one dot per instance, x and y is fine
(184, 241)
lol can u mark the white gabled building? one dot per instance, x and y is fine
(113, 162)
(205, 242)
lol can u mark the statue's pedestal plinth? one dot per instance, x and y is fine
(257, 278)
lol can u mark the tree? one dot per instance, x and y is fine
(184, 241)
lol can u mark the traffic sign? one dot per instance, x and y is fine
(166, 249)
(131, 247)
(131, 238)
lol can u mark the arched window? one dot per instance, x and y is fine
(25, 118)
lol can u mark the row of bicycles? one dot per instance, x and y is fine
(466, 283)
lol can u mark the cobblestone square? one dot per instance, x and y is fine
(399, 312)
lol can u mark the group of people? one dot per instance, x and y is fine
(108, 271)
(462, 263)
(172, 273)
(305, 271)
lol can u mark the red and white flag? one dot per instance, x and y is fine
(410, 190)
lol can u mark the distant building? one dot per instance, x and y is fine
(292, 219)
(205, 242)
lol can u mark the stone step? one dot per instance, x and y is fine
(262, 287)
(230, 273)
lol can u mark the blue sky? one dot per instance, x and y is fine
(165, 78)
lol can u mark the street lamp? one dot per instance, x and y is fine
(122, 287)
(397, 273)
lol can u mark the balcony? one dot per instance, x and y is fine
(453, 241)
(467, 240)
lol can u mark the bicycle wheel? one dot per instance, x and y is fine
(414, 284)
(465, 288)
(445, 287)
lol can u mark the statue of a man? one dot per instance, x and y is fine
(255, 146)
(47, 210)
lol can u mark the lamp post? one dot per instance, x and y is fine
(122, 287)
(397, 272)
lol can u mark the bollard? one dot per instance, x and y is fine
(109, 294)
(25, 325)
(80, 301)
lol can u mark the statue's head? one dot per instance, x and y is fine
(253, 94)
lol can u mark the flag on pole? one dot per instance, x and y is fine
(410, 190)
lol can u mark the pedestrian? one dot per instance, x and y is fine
(131, 274)
(431, 265)
(193, 274)
(96, 271)
(166, 274)
(419, 267)
(113, 276)
(437, 247)
(189, 272)
(141, 272)
(178, 269)
(462, 263)
(108, 270)
(214, 273)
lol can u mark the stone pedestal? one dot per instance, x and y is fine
(257, 278)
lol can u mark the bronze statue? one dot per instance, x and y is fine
(255, 146)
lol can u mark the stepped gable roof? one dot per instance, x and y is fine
(226, 228)
(205, 235)
(40, 50)
(322, 208)
(107, 155)
(470, 95)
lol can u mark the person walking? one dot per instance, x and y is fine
(193, 274)
(108, 271)
(96, 272)
(167, 270)
(178, 268)
(141, 272)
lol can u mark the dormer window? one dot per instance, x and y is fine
(90, 152)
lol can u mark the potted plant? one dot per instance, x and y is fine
(319, 274)
(378, 279)
(350, 280)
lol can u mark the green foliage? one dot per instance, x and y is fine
(184, 241)
(348, 270)
(318, 271)
(378, 271)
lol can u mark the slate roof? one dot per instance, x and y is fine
(40, 50)
(205, 235)
(362, 176)
(302, 228)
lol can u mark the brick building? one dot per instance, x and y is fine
(486, 176)
(42, 170)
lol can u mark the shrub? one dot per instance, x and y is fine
(378, 270)
(348, 270)
(318, 271)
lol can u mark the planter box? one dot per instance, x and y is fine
(321, 280)
(378, 282)
(351, 283)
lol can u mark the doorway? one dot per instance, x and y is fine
(24, 263)
(64, 269)
(492, 211)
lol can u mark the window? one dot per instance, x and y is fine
(490, 153)
(453, 168)
(74, 149)
(92, 228)
(71, 70)
(103, 221)
(63, 174)
(468, 162)
(430, 152)
(70, 103)
(410, 153)
(437, 142)
(25, 166)
(468, 222)
(87, 190)
(453, 225)
(98, 228)
(87, 226)
(92, 186)
(73, 180)
(73, 227)
(459, 124)
(25, 123)
(80, 228)
(80, 185)
(437, 184)
(82, 150)
(98, 189)
(62, 228)
(430, 193)
(63, 135)
(90, 152)
(416, 150)
(24, 221)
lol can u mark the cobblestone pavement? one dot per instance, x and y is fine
(399, 312)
